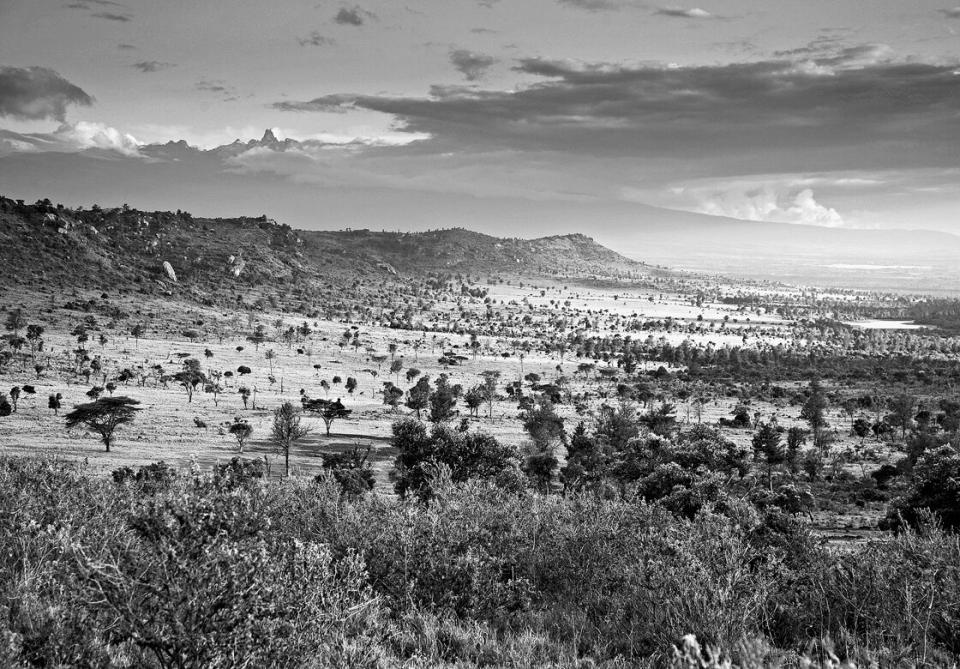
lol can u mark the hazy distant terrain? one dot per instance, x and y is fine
(898, 260)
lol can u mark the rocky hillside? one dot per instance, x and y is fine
(174, 253)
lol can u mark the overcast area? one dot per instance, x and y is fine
(404, 115)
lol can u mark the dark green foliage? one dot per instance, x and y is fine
(213, 572)
(443, 401)
(543, 425)
(935, 487)
(768, 449)
(422, 456)
(740, 420)
(151, 478)
(238, 473)
(351, 470)
(419, 395)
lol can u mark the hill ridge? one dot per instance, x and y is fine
(221, 259)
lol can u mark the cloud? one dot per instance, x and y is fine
(36, 93)
(951, 13)
(91, 135)
(118, 15)
(854, 107)
(472, 65)
(148, 66)
(72, 138)
(337, 104)
(766, 204)
(593, 5)
(677, 12)
(219, 87)
(315, 39)
(352, 16)
(126, 47)
(112, 16)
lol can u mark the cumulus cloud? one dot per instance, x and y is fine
(471, 64)
(148, 66)
(352, 16)
(766, 204)
(90, 135)
(315, 39)
(679, 13)
(70, 138)
(37, 93)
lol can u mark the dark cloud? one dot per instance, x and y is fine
(849, 107)
(86, 4)
(126, 47)
(483, 31)
(472, 65)
(352, 16)
(329, 103)
(952, 13)
(112, 16)
(679, 13)
(120, 14)
(34, 93)
(315, 39)
(148, 66)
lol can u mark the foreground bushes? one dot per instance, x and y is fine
(225, 569)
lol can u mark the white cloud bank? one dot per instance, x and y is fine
(767, 204)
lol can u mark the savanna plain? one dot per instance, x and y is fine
(224, 442)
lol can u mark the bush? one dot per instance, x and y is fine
(223, 570)
(935, 486)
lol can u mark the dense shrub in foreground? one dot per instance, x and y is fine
(230, 570)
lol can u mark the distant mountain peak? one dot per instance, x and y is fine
(269, 137)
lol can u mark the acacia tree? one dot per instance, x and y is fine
(190, 377)
(258, 336)
(35, 339)
(103, 416)
(136, 332)
(286, 432)
(327, 410)
(241, 431)
(490, 379)
(474, 399)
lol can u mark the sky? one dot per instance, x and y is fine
(437, 113)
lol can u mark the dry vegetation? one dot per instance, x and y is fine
(538, 453)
